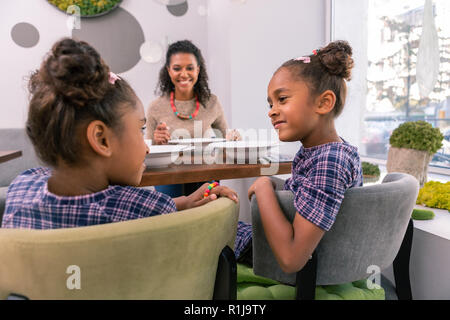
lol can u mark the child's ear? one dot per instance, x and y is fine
(325, 102)
(99, 138)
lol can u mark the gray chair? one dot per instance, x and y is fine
(373, 228)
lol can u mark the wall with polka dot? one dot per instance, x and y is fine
(131, 38)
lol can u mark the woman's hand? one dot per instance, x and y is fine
(196, 199)
(233, 135)
(161, 134)
(260, 183)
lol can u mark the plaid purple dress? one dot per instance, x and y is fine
(30, 205)
(320, 177)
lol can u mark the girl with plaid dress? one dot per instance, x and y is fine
(87, 125)
(305, 96)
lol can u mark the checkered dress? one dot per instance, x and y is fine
(29, 205)
(320, 177)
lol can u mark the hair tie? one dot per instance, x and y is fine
(304, 59)
(315, 52)
(113, 77)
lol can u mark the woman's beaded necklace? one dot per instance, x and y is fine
(182, 116)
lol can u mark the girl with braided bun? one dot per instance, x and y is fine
(87, 125)
(305, 96)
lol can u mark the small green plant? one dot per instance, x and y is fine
(418, 135)
(435, 194)
(419, 214)
(370, 169)
(87, 7)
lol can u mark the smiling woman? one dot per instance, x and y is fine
(186, 107)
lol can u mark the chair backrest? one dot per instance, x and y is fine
(2, 202)
(368, 231)
(171, 256)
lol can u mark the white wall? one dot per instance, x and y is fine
(247, 42)
(348, 16)
(17, 62)
(251, 40)
(243, 44)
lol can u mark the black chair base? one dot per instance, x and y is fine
(225, 287)
(306, 277)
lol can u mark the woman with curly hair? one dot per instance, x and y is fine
(186, 103)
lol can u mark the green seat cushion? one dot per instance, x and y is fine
(253, 287)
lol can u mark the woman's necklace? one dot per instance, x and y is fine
(182, 116)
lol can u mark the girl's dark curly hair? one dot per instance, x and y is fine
(71, 89)
(201, 88)
(328, 69)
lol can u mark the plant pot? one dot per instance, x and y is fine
(370, 178)
(413, 162)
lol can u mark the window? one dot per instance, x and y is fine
(393, 97)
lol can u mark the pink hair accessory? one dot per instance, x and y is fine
(113, 77)
(304, 59)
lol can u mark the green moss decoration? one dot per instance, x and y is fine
(418, 135)
(370, 169)
(87, 7)
(419, 214)
(435, 194)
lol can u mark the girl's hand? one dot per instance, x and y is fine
(233, 135)
(196, 199)
(223, 191)
(262, 182)
(161, 134)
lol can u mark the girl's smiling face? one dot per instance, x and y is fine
(292, 109)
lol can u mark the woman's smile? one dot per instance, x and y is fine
(185, 82)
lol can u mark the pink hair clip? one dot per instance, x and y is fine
(304, 59)
(113, 77)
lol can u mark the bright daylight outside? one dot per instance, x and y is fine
(400, 86)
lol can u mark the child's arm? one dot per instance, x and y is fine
(196, 198)
(292, 244)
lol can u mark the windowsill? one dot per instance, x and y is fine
(438, 226)
(431, 170)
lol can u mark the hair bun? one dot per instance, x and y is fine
(337, 58)
(75, 71)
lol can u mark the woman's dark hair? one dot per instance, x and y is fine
(201, 88)
(328, 69)
(70, 89)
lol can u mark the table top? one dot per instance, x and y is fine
(187, 173)
(6, 155)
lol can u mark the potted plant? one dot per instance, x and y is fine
(412, 145)
(371, 172)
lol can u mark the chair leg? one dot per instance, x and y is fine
(225, 286)
(401, 265)
(306, 280)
